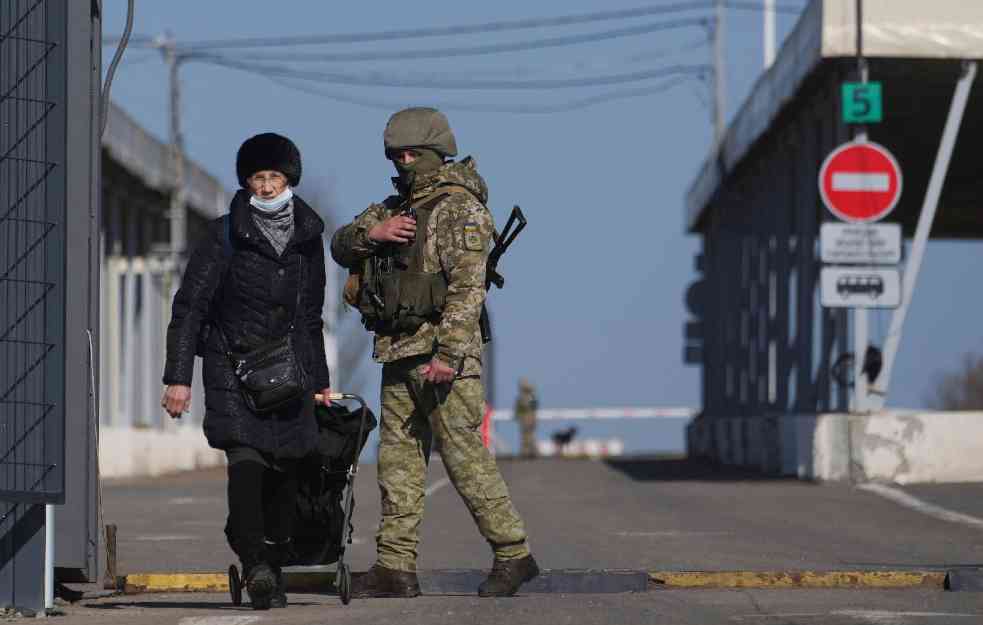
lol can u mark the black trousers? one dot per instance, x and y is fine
(262, 498)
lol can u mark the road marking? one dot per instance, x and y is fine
(874, 617)
(433, 488)
(202, 523)
(861, 182)
(884, 617)
(902, 498)
(183, 501)
(219, 620)
(165, 537)
(670, 534)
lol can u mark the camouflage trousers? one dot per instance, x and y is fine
(416, 415)
(527, 437)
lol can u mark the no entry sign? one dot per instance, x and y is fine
(860, 182)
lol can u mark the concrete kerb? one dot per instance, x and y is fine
(570, 581)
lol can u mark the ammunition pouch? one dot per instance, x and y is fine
(399, 302)
(391, 290)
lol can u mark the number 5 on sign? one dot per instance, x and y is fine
(862, 103)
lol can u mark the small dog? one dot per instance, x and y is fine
(562, 438)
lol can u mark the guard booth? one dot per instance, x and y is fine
(764, 343)
(49, 81)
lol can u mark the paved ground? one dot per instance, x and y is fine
(630, 514)
(638, 514)
(799, 607)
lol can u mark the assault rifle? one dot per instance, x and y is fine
(515, 225)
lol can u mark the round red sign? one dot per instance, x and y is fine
(860, 182)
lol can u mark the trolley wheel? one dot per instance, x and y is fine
(235, 586)
(345, 584)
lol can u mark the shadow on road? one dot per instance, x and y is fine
(685, 469)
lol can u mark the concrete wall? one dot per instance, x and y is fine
(130, 452)
(896, 446)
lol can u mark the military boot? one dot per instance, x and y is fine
(380, 581)
(507, 575)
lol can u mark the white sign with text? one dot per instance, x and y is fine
(860, 244)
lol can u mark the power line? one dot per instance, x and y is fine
(471, 29)
(489, 108)
(553, 42)
(576, 66)
(445, 31)
(465, 29)
(430, 81)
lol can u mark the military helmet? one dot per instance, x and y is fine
(420, 127)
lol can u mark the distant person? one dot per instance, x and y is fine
(526, 405)
(254, 283)
(418, 278)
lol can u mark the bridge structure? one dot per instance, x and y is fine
(768, 350)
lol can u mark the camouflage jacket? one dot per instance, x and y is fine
(526, 404)
(459, 238)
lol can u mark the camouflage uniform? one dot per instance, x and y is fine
(415, 412)
(525, 414)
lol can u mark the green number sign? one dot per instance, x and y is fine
(862, 103)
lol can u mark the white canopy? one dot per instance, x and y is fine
(902, 29)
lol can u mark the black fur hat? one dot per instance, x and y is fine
(268, 151)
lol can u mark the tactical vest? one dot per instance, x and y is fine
(392, 291)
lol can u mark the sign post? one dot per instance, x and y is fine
(860, 182)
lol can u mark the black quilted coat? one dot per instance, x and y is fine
(255, 295)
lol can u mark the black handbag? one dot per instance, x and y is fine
(271, 375)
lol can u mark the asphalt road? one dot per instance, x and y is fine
(706, 607)
(633, 514)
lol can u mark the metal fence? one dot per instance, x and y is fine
(32, 258)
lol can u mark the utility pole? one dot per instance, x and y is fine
(769, 32)
(860, 315)
(719, 74)
(179, 211)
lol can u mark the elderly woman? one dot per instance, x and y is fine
(255, 285)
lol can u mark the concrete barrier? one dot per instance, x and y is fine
(132, 452)
(896, 446)
(911, 447)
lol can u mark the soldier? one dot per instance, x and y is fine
(417, 263)
(525, 413)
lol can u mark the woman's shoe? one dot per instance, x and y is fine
(261, 584)
(279, 599)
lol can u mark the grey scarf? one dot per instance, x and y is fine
(277, 227)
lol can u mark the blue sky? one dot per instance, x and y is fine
(593, 312)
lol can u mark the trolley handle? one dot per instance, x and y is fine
(340, 397)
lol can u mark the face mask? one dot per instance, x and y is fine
(272, 205)
(428, 161)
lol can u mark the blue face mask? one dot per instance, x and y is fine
(274, 204)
